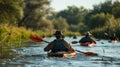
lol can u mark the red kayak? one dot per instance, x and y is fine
(87, 44)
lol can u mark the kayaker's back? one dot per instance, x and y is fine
(59, 45)
(85, 39)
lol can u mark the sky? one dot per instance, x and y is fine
(59, 5)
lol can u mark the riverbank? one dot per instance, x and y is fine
(14, 37)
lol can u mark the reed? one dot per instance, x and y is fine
(11, 37)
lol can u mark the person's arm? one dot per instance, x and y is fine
(49, 47)
(68, 46)
(93, 40)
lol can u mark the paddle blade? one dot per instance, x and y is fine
(87, 53)
(90, 54)
(106, 34)
(35, 38)
(74, 42)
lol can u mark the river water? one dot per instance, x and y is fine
(34, 56)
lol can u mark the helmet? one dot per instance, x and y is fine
(58, 33)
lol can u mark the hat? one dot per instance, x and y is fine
(58, 33)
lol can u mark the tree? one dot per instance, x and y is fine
(105, 7)
(97, 16)
(34, 10)
(73, 14)
(60, 24)
(45, 25)
(98, 20)
(10, 11)
(116, 9)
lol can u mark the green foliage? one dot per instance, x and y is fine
(98, 20)
(116, 9)
(45, 25)
(112, 26)
(34, 11)
(105, 7)
(60, 24)
(103, 19)
(74, 17)
(73, 28)
(68, 33)
(46, 34)
(73, 14)
(10, 11)
(81, 27)
(12, 37)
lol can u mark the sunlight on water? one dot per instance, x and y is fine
(109, 56)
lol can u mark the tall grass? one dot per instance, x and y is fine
(72, 34)
(12, 37)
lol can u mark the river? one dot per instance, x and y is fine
(34, 56)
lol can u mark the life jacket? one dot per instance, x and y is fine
(59, 45)
(86, 39)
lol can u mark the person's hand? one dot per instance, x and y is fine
(72, 51)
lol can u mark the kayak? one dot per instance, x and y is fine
(113, 41)
(62, 54)
(87, 44)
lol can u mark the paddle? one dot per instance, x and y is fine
(35, 38)
(106, 34)
(93, 54)
(88, 53)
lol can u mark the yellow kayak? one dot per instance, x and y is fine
(62, 54)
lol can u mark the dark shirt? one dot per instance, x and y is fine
(59, 45)
(87, 39)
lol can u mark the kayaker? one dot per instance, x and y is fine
(113, 37)
(88, 38)
(59, 44)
